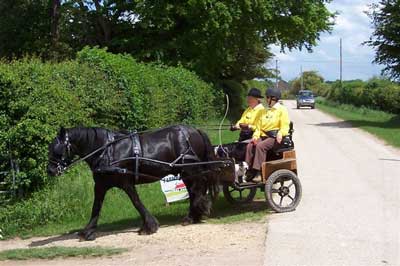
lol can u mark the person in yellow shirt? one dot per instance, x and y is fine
(270, 129)
(250, 117)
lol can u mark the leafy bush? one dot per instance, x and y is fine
(376, 93)
(156, 95)
(96, 89)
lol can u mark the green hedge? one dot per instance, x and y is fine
(96, 89)
(376, 93)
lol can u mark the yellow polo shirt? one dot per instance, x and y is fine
(251, 116)
(275, 118)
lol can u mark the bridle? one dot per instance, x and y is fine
(63, 163)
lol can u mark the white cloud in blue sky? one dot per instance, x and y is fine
(354, 27)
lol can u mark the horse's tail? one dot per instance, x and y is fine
(212, 178)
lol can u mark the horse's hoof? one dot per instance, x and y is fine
(149, 228)
(91, 237)
(187, 221)
(87, 236)
(146, 231)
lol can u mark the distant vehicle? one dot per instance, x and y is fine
(305, 98)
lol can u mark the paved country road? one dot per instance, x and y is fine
(349, 213)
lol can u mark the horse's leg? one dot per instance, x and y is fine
(150, 223)
(199, 204)
(88, 233)
(188, 219)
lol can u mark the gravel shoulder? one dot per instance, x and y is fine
(240, 243)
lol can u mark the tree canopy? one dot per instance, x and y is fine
(311, 81)
(218, 39)
(385, 38)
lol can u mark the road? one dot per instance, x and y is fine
(349, 213)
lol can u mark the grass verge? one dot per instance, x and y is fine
(384, 125)
(55, 252)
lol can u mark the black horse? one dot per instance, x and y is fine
(166, 144)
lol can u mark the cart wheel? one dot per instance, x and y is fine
(283, 191)
(239, 195)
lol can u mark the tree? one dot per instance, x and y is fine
(24, 27)
(311, 81)
(385, 38)
(55, 17)
(218, 39)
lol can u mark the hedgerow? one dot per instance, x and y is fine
(380, 94)
(96, 89)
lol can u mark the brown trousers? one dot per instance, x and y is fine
(255, 156)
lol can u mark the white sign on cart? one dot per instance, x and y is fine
(173, 188)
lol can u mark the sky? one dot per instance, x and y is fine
(354, 27)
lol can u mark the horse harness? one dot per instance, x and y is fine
(107, 151)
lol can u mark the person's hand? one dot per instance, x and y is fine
(254, 141)
(244, 126)
(233, 128)
(279, 138)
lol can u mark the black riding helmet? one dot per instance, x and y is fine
(273, 93)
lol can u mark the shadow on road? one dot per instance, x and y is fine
(221, 209)
(303, 109)
(392, 123)
(338, 124)
(392, 160)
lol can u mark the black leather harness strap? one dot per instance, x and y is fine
(137, 153)
(186, 154)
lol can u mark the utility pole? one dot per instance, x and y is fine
(276, 73)
(341, 67)
(301, 77)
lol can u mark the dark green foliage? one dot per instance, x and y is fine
(385, 38)
(376, 93)
(262, 85)
(97, 89)
(24, 27)
(218, 39)
(237, 96)
(311, 81)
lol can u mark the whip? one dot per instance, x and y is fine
(223, 119)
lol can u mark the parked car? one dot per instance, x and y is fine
(305, 98)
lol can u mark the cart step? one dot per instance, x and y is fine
(250, 184)
(280, 161)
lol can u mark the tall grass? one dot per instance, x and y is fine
(55, 252)
(381, 124)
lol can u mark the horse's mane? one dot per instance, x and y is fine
(89, 134)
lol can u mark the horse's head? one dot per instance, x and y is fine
(222, 152)
(59, 153)
(235, 150)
